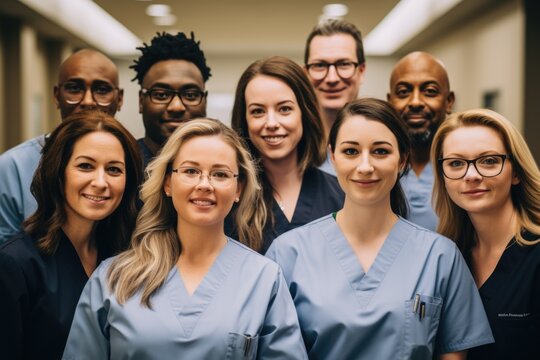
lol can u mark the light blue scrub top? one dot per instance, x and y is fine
(17, 168)
(241, 310)
(345, 313)
(418, 190)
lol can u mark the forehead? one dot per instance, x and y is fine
(98, 144)
(360, 129)
(173, 73)
(332, 48)
(263, 88)
(89, 67)
(473, 140)
(208, 150)
(419, 71)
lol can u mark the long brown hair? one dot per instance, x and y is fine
(48, 185)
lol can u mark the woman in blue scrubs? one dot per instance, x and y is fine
(487, 188)
(184, 290)
(275, 111)
(86, 188)
(366, 283)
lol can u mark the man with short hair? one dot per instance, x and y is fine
(420, 92)
(335, 63)
(87, 79)
(172, 73)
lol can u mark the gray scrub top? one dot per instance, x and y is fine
(345, 313)
(241, 310)
(418, 191)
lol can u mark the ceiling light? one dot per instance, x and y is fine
(406, 20)
(158, 10)
(166, 20)
(335, 10)
(78, 16)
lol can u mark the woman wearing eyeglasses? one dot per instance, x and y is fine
(184, 289)
(487, 191)
(275, 110)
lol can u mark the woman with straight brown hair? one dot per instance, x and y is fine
(86, 187)
(276, 112)
(487, 193)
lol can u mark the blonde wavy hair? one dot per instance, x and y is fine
(453, 220)
(155, 246)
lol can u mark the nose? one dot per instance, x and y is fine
(87, 99)
(416, 100)
(364, 166)
(332, 75)
(176, 104)
(100, 179)
(204, 182)
(472, 174)
(271, 120)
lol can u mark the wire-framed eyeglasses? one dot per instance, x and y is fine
(188, 97)
(486, 166)
(344, 68)
(216, 177)
(103, 93)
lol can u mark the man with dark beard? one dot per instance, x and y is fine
(420, 92)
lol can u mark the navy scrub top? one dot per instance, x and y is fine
(511, 297)
(320, 195)
(38, 296)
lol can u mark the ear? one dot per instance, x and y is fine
(361, 72)
(167, 185)
(56, 94)
(239, 189)
(515, 178)
(388, 97)
(450, 99)
(403, 164)
(332, 156)
(141, 98)
(120, 99)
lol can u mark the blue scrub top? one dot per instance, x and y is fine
(241, 310)
(345, 313)
(418, 191)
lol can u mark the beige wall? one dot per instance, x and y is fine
(487, 54)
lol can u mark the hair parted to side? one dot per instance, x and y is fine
(165, 46)
(155, 246)
(332, 27)
(48, 185)
(454, 222)
(311, 148)
(380, 111)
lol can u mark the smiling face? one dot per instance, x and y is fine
(367, 161)
(203, 203)
(419, 91)
(474, 193)
(160, 120)
(95, 178)
(274, 118)
(333, 92)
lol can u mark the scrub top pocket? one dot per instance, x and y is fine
(242, 347)
(422, 315)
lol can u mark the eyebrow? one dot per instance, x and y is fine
(483, 153)
(194, 163)
(352, 142)
(169, 87)
(279, 103)
(94, 160)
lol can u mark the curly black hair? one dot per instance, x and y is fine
(165, 46)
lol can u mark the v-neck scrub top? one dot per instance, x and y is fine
(511, 297)
(242, 309)
(345, 313)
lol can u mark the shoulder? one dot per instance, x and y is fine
(24, 153)
(20, 247)
(253, 258)
(305, 236)
(426, 238)
(319, 176)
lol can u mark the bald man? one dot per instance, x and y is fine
(420, 92)
(87, 79)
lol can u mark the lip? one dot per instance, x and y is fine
(365, 182)
(273, 139)
(97, 199)
(202, 202)
(475, 192)
(333, 91)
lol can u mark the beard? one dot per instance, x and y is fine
(421, 139)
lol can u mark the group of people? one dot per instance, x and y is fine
(391, 229)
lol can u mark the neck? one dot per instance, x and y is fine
(419, 158)
(328, 117)
(199, 243)
(366, 223)
(153, 146)
(79, 233)
(283, 172)
(496, 228)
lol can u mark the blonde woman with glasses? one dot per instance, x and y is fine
(184, 289)
(487, 191)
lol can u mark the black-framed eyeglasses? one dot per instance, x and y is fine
(103, 93)
(486, 166)
(344, 68)
(188, 97)
(216, 177)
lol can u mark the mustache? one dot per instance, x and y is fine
(425, 114)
